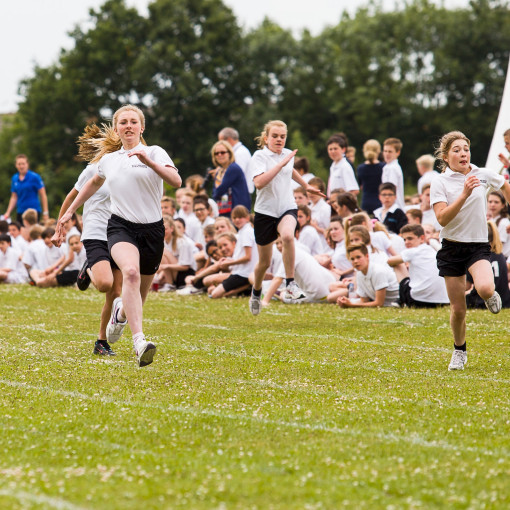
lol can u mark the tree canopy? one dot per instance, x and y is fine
(413, 73)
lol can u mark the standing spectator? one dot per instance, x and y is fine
(230, 188)
(27, 191)
(242, 155)
(369, 176)
(341, 173)
(425, 166)
(392, 172)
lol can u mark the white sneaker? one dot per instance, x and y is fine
(167, 287)
(185, 291)
(255, 304)
(115, 328)
(145, 352)
(459, 359)
(494, 303)
(293, 292)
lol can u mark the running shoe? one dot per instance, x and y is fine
(494, 303)
(83, 279)
(145, 352)
(293, 292)
(167, 287)
(115, 328)
(102, 347)
(189, 290)
(255, 304)
(459, 359)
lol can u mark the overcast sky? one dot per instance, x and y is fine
(33, 31)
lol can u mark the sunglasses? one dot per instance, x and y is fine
(220, 153)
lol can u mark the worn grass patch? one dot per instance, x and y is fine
(301, 407)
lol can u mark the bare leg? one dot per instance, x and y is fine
(286, 228)
(265, 255)
(101, 275)
(110, 295)
(483, 278)
(455, 286)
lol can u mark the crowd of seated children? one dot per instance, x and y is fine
(305, 233)
(12, 269)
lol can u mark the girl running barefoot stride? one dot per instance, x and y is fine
(272, 168)
(458, 196)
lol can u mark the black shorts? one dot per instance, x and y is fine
(234, 281)
(181, 276)
(147, 237)
(407, 300)
(66, 278)
(96, 251)
(454, 259)
(266, 227)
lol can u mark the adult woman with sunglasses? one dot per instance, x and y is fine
(229, 188)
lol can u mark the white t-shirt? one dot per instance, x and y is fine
(426, 178)
(341, 175)
(35, 255)
(380, 241)
(78, 261)
(97, 209)
(135, 189)
(339, 258)
(426, 284)
(11, 260)
(245, 239)
(429, 217)
(321, 213)
(393, 173)
(470, 224)
(184, 252)
(276, 197)
(377, 256)
(242, 157)
(310, 238)
(397, 243)
(311, 277)
(378, 277)
(503, 234)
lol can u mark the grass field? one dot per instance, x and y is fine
(301, 407)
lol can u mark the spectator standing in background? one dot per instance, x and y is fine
(242, 155)
(341, 173)
(369, 176)
(392, 171)
(425, 166)
(27, 191)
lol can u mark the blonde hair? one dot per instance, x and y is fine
(129, 108)
(230, 225)
(361, 231)
(371, 150)
(427, 160)
(195, 182)
(445, 144)
(261, 142)
(494, 238)
(176, 235)
(229, 149)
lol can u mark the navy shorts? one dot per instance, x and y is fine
(266, 227)
(96, 251)
(454, 259)
(147, 237)
(66, 278)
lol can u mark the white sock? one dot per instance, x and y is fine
(138, 337)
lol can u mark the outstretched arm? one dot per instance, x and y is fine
(264, 179)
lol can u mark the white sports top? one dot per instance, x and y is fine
(135, 189)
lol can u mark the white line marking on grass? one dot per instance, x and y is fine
(414, 439)
(40, 499)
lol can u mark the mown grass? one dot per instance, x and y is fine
(301, 407)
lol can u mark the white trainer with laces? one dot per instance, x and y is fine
(255, 304)
(459, 359)
(145, 352)
(293, 292)
(494, 303)
(115, 328)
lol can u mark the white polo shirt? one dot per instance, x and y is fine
(378, 277)
(426, 178)
(135, 189)
(310, 238)
(276, 197)
(341, 175)
(245, 239)
(393, 173)
(242, 157)
(426, 284)
(183, 252)
(97, 209)
(470, 224)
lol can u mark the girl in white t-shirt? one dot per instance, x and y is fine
(272, 168)
(458, 196)
(178, 260)
(497, 211)
(135, 230)
(306, 234)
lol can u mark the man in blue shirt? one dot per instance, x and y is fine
(27, 191)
